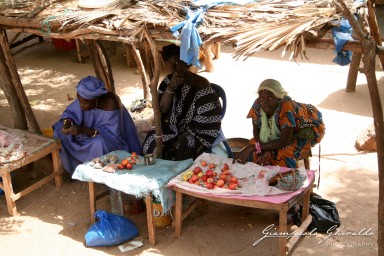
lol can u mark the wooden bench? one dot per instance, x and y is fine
(286, 244)
(35, 147)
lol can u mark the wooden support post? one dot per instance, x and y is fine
(57, 170)
(101, 63)
(178, 213)
(374, 28)
(92, 201)
(283, 229)
(129, 55)
(353, 71)
(216, 50)
(10, 73)
(150, 219)
(135, 52)
(208, 56)
(8, 191)
(78, 50)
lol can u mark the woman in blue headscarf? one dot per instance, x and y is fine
(95, 124)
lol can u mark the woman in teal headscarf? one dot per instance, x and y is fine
(282, 127)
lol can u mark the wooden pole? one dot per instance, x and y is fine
(9, 70)
(153, 85)
(18, 114)
(101, 63)
(143, 74)
(369, 56)
(374, 29)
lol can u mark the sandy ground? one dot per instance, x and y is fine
(53, 221)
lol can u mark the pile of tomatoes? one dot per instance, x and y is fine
(211, 178)
(128, 163)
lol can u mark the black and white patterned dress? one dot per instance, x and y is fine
(192, 123)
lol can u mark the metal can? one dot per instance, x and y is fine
(149, 159)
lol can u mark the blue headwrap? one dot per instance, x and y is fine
(91, 87)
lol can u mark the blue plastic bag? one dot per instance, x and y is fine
(110, 230)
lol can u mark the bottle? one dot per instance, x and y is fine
(115, 197)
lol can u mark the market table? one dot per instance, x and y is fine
(31, 147)
(278, 202)
(147, 181)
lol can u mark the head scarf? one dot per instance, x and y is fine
(91, 87)
(273, 86)
(269, 130)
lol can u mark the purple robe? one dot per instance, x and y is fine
(116, 132)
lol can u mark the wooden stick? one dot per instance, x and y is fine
(295, 238)
(135, 52)
(374, 28)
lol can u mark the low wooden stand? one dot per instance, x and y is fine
(36, 147)
(283, 208)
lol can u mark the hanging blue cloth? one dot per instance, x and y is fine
(341, 35)
(190, 38)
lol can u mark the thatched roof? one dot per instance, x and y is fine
(257, 26)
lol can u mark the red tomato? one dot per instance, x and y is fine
(223, 176)
(234, 180)
(209, 173)
(197, 170)
(204, 178)
(124, 161)
(220, 183)
(232, 186)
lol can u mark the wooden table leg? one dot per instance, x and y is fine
(283, 229)
(92, 201)
(306, 199)
(150, 219)
(8, 192)
(178, 213)
(57, 168)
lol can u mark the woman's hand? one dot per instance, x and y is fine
(243, 155)
(67, 124)
(264, 158)
(176, 80)
(76, 129)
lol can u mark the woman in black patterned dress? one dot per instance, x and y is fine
(190, 111)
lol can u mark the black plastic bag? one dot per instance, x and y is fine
(324, 214)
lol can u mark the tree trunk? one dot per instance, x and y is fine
(369, 56)
(17, 111)
(14, 90)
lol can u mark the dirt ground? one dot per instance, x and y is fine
(53, 221)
